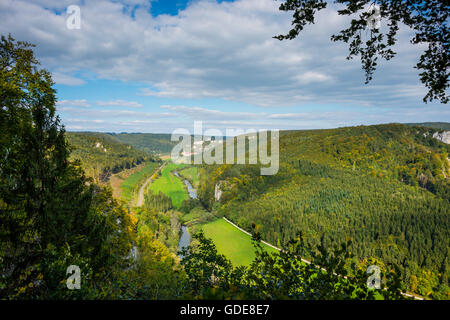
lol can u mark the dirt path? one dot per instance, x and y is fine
(143, 188)
(116, 179)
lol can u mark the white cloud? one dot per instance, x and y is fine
(120, 103)
(213, 50)
(95, 113)
(311, 76)
(198, 113)
(61, 78)
(183, 116)
(76, 103)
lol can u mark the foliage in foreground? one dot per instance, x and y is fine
(428, 20)
(282, 275)
(53, 216)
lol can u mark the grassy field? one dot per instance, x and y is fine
(129, 185)
(191, 174)
(170, 185)
(231, 242)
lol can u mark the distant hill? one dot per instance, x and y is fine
(153, 143)
(102, 154)
(435, 125)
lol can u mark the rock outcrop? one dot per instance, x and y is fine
(217, 191)
(443, 136)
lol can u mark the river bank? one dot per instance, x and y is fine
(185, 237)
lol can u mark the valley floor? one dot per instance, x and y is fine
(232, 242)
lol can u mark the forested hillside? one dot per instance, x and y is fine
(385, 187)
(154, 143)
(102, 155)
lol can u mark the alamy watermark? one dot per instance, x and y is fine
(73, 20)
(374, 20)
(74, 281)
(204, 150)
(374, 280)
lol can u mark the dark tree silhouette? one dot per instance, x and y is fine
(428, 19)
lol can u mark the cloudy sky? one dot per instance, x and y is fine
(153, 66)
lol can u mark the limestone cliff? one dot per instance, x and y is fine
(443, 136)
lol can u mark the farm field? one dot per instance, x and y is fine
(231, 242)
(115, 181)
(129, 185)
(170, 185)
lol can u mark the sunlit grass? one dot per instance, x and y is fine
(170, 185)
(231, 242)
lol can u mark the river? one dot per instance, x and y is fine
(185, 237)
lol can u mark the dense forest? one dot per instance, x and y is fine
(385, 187)
(102, 155)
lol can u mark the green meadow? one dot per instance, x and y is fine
(170, 185)
(130, 185)
(231, 242)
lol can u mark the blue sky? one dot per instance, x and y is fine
(167, 7)
(154, 66)
(172, 7)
